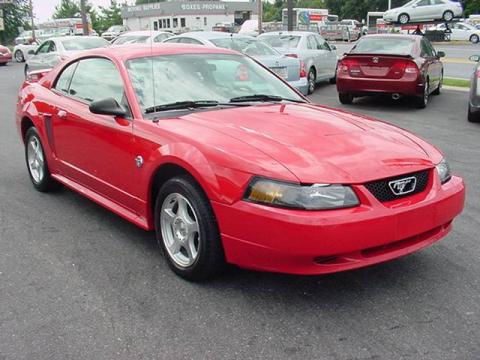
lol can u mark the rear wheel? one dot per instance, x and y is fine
(422, 101)
(474, 39)
(472, 117)
(447, 16)
(345, 98)
(187, 231)
(312, 80)
(19, 56)
(3, 64)
(403, 18)
(37, 163)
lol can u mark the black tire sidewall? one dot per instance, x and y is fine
(400, 16)
(474, 37)
(21, 55)
(311, 71)
(210, 259)
(447, 12)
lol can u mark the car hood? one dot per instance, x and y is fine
(323, 145)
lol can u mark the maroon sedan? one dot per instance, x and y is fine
(397, 65)
(5, 55)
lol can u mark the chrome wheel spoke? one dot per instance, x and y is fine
(35, 160)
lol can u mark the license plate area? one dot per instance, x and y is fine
(280, 71)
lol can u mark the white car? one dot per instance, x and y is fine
(424, 10)
(114, 31)
(21, 51)
(462, 31)
(141, 37)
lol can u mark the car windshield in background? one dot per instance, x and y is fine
(383, 45)
(247, 46)
(138, 39)
(115, 28)
(168, 79)
(79, 43)
(282, 41)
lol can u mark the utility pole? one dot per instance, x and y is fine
(83, 10)
(32, 21)
(290, 15)
(260, 15)
(389, 4)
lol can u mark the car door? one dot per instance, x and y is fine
(317, 55)
(422, 10)
(330, 56)
(95, 151)
(433, 63)
(52, 56)
(37, 61)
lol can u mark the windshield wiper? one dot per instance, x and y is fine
(189, 104)
(262, 97)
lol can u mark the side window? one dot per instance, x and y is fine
(423, 3)
(63, 81)
(430, 46)
(322, 44)
(85, 84)
(186, 40)
(43, 49)
(173, 41)
(311, 43)
(160, 38)
(52, 47)
(426, 50)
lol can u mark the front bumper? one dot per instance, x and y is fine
(319, 242)
(390, 18)
(301, 85)
(362, 86)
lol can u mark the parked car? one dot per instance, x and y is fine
(231, 165)
(21, 51)
(249, 28)
(462, 31)
(114, 31)
(320, 57)
(474, 99)
(52, 51)
(354, 28)
(424, 10)
(5, 55)
(141, 37)
(398, 65)
(290, 69)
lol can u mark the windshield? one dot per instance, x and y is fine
(83, 43)
(247, 46)
(384, 45)
(115, 28)
(205, 77)
(130, 39)
(281, 41)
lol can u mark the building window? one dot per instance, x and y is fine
(168, 23)
(182, 22)
(155, 25)
(175, 22)
(160, 23)
(164, 23)
(205, 21)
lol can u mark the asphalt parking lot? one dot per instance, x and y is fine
(78, 282)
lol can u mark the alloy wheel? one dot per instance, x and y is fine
(36, 159)
(447, 16)
(19, 56)
(403, 19)
(180, 230)
(311, 82)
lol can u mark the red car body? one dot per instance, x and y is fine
(5, 55)
(400, 74)
(224, 149)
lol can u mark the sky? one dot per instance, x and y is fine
(43, 9)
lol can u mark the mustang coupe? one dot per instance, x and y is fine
(229, 164)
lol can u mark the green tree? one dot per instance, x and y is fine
(15, 15)
(109, 16)
(67, 9)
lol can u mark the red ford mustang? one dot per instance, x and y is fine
(399, 65)
(228, 164)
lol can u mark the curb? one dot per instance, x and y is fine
(455, 88)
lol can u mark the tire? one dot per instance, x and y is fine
(312, 81)
(345, 98)
(472, 117)
(3, 64)
(422, 101)
(438, 90)
(474, 39)
(26, 71)
(447, 16)
(37, 163)
(189, 238)
(403, 18)
(19, 56)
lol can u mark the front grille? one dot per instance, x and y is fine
(382, 191)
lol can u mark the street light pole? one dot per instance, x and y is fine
(32, 21)
(290, 15)
(389, 4)
(83, 10)
(260, 14)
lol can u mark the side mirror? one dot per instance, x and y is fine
(332, 47)
(31, 52)
(440, 54)
(475, 58)
(107, 106)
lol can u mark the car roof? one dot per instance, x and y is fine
(143, 33)
(123, 53)
(207, 35)
(295, 33)
(393, 36)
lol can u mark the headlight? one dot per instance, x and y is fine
(309, 197)
(443, 170)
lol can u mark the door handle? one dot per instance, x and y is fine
(62, 114)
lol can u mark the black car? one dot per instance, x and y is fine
(474, 101)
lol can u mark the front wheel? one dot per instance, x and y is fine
(474, 39)
(345, 98)
(403, 19)
(447, 16)
(422, 101)
(187, 231)
(19, 56)
(312, 81)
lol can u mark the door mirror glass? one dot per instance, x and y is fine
(475, 58)
(108, 106)
(440, 54)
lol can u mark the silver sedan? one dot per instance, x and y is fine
(319, 57)
(424, 10)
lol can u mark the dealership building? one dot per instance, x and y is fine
(181, 16)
